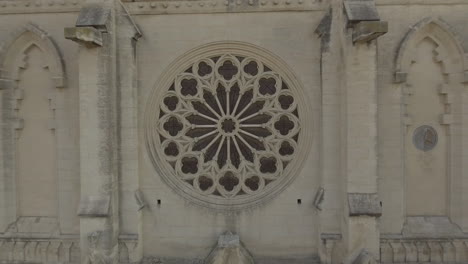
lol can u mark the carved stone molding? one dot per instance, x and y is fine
(444, 49)
(222, 6)
(27, 250)
(64, 250)
(166, 7)
(443, 34)
(447, 250)
(128, 249)
(37, 37)
(39, 6)
(419, 2)
(13, 60)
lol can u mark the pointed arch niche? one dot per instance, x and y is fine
(431, 71)
(31, 78)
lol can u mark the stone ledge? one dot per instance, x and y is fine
(420, 2)
(404, 250)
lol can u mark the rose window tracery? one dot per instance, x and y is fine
(227, 129)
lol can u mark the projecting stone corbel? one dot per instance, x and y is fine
(87, 36)
(92, 21)
(364, 19)
(366, 31)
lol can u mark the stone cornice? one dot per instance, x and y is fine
(222, 6)
(166, 7)
(39, 6)
(196, 7)
(420, 2)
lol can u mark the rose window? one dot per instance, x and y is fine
(226, 129)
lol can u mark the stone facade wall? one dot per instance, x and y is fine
(374, 169)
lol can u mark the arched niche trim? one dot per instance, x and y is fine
(21, 40)
(13, 59)
(449, 54)
(452, 55)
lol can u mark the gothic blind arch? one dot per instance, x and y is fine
(451, 53)
(430, 70)
(22, 39)
(29, 51)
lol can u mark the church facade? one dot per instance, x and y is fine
(233, 131)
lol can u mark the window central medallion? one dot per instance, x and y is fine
(226, 131)
(229, 126)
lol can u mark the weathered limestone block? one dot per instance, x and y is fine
(6, 250)
(53, 251)
(88, 36)
(364, 204)
(366, 31)
(132, 251)
(5, 84)
(330, 242)
(418, 226)
(364, 257)
(98, 255)
(66, 251)
(123, 253)
(229, 251)
(398, 252)
(41, 251)
(19, 251)
(411, 251)
(30, 251)
(400, 77)
(448, 251)
(436, 251)
(361, 10)
(461, 251)
(386, 253)
(424, 253)
(95, 16)
(94, 206)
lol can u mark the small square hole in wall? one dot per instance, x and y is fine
(159, 202)
(299, 201)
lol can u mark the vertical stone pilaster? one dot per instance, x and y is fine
(349, 129)
(360, 114)
(361, 235)
(99, 226)
(330, 207)
(132, 203)
(106, 71)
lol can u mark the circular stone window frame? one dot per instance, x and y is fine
(152, 112)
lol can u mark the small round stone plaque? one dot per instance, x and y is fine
(425, 138)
